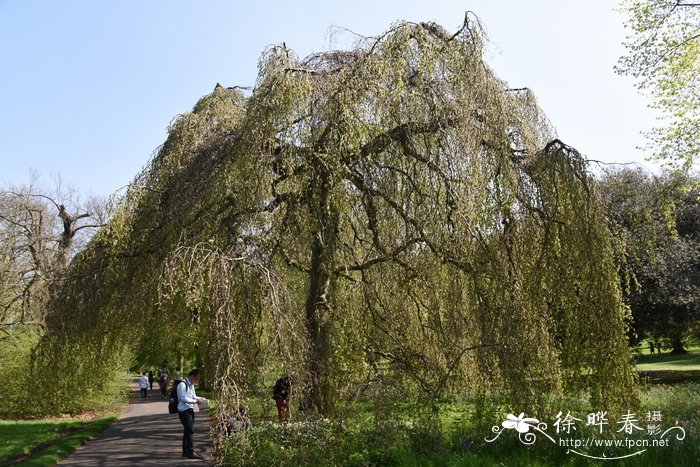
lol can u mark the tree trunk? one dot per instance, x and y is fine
(678, 325)
(318, 309)
(678, 348)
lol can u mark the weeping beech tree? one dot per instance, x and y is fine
(394, 209)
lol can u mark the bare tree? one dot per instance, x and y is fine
(40, 231)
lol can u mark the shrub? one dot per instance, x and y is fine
(15, 355)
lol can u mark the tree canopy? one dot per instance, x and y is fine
(390, 213)
(664, 55)
(657, 220)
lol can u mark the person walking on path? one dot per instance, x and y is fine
(143, 385)
(150, 379)
(163, 383)
(185, 411)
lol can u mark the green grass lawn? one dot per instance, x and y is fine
(45, 442)
(20, 437)
(670, 369)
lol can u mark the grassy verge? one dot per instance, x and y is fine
(670, 369)
(21, 437)
(45, 442)
(362, 439)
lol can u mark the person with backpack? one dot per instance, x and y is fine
(186, 399)
(280, 393)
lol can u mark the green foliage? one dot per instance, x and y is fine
(333, 443)
(455, 440)
(299, 443)
(393, 216)
(15, 352)
(664, 55)
(656, 222)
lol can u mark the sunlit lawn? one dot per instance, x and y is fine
(45, 442)
(670, 369)
(20, 437)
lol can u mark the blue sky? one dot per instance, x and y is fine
(88, 88)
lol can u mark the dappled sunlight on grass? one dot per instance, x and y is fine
(687, 362)
(670, 369)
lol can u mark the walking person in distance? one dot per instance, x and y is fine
(163, 383)
(143, 385)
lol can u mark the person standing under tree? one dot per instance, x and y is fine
(143, 385)
(280, 393)
(150, 379)
(185, 411)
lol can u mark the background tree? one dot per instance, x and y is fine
(657, 220)
(664, 55)
(40, 231)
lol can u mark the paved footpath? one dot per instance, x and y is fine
(145, 434)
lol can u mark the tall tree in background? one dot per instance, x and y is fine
(664, 56)
(657, 221)
(40, 231)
